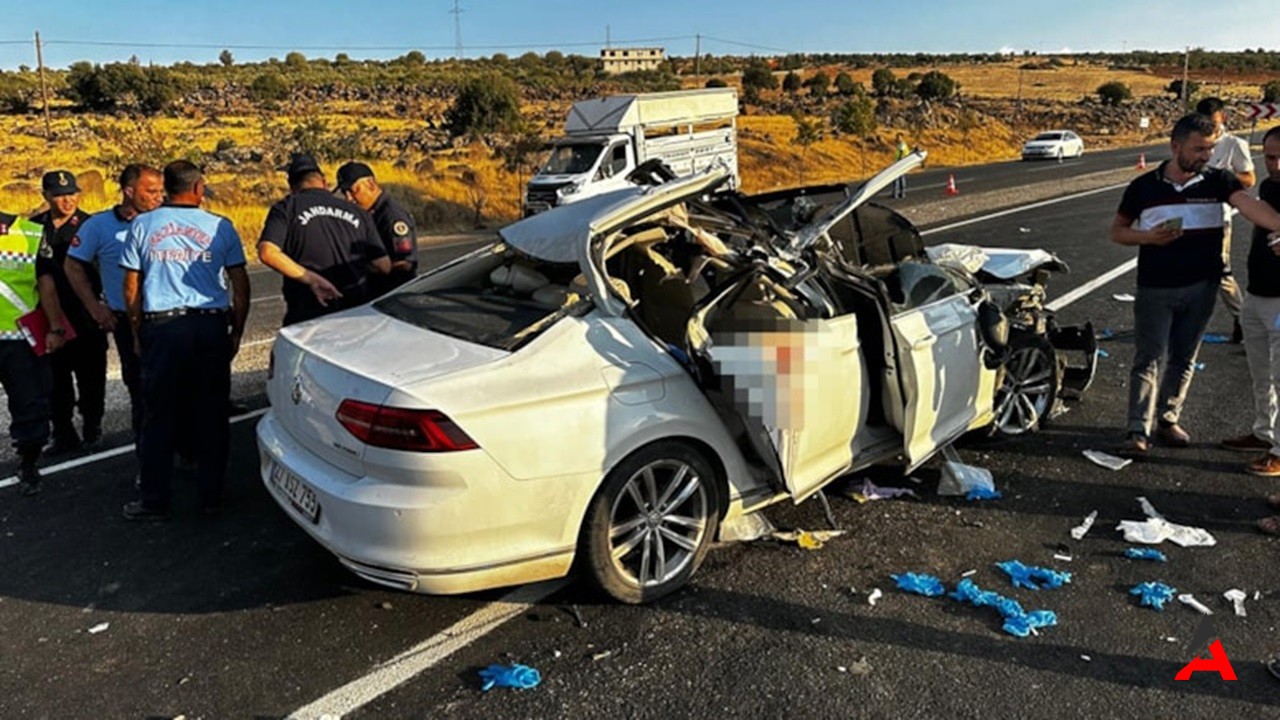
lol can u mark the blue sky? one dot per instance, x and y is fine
(321, 28)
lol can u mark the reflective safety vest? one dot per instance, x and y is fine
(19, 247)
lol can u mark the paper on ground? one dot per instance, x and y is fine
(1154, 531)
(1106, 460)
(1078, 532)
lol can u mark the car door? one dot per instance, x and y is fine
(793, 385)
(945, 386)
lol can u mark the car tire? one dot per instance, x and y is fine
(1028, 386)
(660, 503)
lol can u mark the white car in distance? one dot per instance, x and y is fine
(1053, 145)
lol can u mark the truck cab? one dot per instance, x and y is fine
(607, 138)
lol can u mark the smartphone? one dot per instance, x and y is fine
(1273, 243)
(1172, 224)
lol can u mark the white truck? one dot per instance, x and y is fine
(606, 138)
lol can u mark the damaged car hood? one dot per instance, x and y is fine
(999, 263)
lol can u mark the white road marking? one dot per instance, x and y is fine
(1092, 285)
(1020, 208)
(423, 656)
(113, 452)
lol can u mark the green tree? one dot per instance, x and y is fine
(758, 76)
(1114, 92)
(808, 132)
(845, 84)
(414, 57)
(883, 82)
(716, 82)
(295, 60)
(226, 58)
(269, 87)
(341, 60)
(1271, 91)
(791, 83)
(854, 117)
(1175, 88)
(936, 85)
(485, 104)
(819, 83)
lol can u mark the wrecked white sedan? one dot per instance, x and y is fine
(616, 382)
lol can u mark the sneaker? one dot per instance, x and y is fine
(1246, 443)
(138, 512)
(1237, 333)
(63, 445)
(1134, 446)
(92, 434)
(1173, 435)
(1266, 466)
(29, 481)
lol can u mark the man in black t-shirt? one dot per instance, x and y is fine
(395, 225)
(81, 367)
(1174, 216)
(1258, 318)
(323, 245)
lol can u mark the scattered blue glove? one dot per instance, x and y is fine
(1145, 554)
(1017, 622)
(1022, 625)
(515, 676)
(1036, 578)
(1153, 594)
(1105, 334)
(1215, 338)
(1103, 353)
(983, 493)
(920, 584)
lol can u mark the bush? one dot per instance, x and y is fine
(936, 85)
(1175, 88)
(295, 60)
(855, 117)
(791, 83)
(485, 104)
(1114, 92)
(716, 83)
(759, 77)
(818, 84)
(845, 84)
(883, 82)
(121, 86)
(269, 87)
(1271, 91)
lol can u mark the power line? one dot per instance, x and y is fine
(752, 45)
(220, 46)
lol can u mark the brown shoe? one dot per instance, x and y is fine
(1246, 443)
(1266, 466)
(1273, 501)
(1136, 445)
(1173, 435)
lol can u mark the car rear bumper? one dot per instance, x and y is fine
(465, 526)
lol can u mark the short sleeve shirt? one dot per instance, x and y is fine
(396, 229)
(1231, 153)
(327, 235)
(181, 252)
(100, 241)
(1264, 265)
(59, 240)
(1152, 199)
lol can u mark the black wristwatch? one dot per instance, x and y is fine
(58, 331)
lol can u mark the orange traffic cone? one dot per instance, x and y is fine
(951, 185)
(1142, 161)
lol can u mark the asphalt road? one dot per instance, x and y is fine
(241, 615)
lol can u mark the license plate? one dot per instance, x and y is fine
(301, 497)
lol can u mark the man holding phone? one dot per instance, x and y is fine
(1173, 215)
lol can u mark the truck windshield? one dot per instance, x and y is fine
(572, 159)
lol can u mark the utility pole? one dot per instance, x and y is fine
(457, 30)
(608, 37)
(1186, 63)
(697, 59)
(44, 89)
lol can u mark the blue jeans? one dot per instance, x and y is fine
(1168, 324)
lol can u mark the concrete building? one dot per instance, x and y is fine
(621, 60)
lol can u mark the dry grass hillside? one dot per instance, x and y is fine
(451, 185)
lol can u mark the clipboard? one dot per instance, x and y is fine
(35, 326)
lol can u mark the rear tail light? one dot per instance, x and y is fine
(402, 428)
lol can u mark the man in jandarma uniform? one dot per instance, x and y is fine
(26, 280)
(324, 246)
(80, 369)
(190, 329)
(395, 225)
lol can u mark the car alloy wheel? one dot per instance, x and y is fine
(1029, 388)
(651, 523)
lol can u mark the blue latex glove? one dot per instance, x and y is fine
(920, 584)
(1145, 554)
(515, 676)
(1034, 577)
(1153, 594)
(1105, 334)
(1215, 338)
(1022, 625)
(982, 493)
(1017, 622)
(1103, 353)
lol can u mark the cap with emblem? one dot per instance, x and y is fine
(300, 164)
(351, 172)
(59, 182)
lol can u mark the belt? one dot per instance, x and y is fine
(179, 312)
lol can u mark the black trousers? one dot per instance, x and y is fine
(80, 365)
(130, 371)
(186, 370)
(26, 379)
